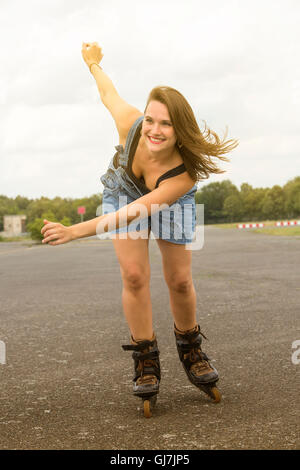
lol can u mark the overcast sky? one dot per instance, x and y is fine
(236, 61)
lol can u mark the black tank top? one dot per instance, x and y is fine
(141, 182)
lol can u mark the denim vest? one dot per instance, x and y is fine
(117, 177)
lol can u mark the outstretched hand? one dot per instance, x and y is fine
(56, 233)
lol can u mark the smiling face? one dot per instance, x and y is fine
(157, 129)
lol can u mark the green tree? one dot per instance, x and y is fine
(252, 199)
(292, 197)
(66, 221)
(22, 203)
(213, 196)
(35, 227)
(233, 208)
(37, 207)
(273, 203)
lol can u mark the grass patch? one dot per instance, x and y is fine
(267, 223)
(279, 231)
(268, 229)
(15, 239)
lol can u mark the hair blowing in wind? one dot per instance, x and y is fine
(196, 148)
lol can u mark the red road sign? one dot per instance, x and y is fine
(81, 210)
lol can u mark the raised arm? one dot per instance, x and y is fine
(123, 113)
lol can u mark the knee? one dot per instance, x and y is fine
(180, 283)
(135, 278)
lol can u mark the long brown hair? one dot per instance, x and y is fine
(195, 147)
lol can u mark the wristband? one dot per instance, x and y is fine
(94, 63)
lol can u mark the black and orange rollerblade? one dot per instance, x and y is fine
(196, 363)
(146, 377)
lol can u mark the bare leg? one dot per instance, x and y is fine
(177, 264)
(133, 257)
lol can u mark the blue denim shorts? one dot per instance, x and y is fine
(175, 223)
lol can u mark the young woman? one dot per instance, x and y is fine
(160, 157)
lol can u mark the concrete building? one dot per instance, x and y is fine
(14, 225)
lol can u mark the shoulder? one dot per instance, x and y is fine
(123, 113)
(130, 125)
(182, 182)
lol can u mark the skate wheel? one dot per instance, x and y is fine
(215, 394)
(147, 409)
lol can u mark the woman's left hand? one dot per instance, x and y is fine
(56, 233)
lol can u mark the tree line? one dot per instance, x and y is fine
(223, 202)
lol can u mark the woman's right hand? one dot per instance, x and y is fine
(56, 233)
(91, 53)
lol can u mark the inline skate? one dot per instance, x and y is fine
(196, 363)
(146, 377)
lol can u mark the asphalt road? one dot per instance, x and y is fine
(66, 383)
